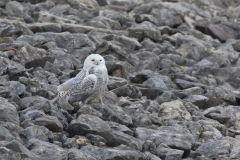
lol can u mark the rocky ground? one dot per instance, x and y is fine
(174, 79)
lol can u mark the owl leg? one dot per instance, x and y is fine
(101, 100)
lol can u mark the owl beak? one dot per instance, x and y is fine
(96, 63)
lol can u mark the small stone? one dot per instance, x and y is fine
(173, 110)
(198, 100)
(8, 112)
(52, 123)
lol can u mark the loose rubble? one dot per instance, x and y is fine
(174, 84)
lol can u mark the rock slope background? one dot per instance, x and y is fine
(174, 85)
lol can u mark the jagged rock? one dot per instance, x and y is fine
(5, 134)
(222, 31)
(115, 82)
(11, 67)
(116, 138)
(107, 154)
(121, 128)
(75, 154)
(143, 133)
(172, 136)
(198, 100)
(128, 90)
(9, 154)
(12, 88)
(116, 114)
(96, 140)
(37, 132)
(215, 149)
(145, 30)
(174, 110)
(15, 8)
(18, 147)
(47, 150)
(88, 124)
(36, 102)
(13, 28)
(52, 123)
(8, 112)
(173, 88)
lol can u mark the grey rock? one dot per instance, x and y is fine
(36, 102)
(88, 124)
(141, 76)
(234, 78)
(173, 110)
(236, 45)
(150, 156)
(222, 31)
(125, 4)
(12, 88)
(145, 30)
(47, 150)
(96, 140)
(120, 127)
(45, 27)
(184, 84)
(169, 153)
(52, 123)
(193, 91)
(219, 93)
(173, 136)
(70, 143)
(156, 82)
(127, 42)
(15, 8)
(45, 16)
(219, 113)
(116, 114)
(143, 133)
(127, 90)
(13, 28)
(166, 17)
(115, 82)
(235, 149)
(18, 147)
(104, 22)
(116, 138)
(8, 112)
(166, 96)
(10, 66)
(86, 109)
(102, 2)
(110, 154)
(8, 154)
(5, 134)
(75, 154)
(198, 100)
(215, 149)
(3, 3)
(37, 132)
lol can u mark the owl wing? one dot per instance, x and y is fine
(85, 88)
(64, 88)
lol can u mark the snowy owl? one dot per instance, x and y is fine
(90, 83)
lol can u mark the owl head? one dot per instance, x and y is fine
(93, 60)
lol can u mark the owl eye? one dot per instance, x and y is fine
(93, 60)
(100, 60)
